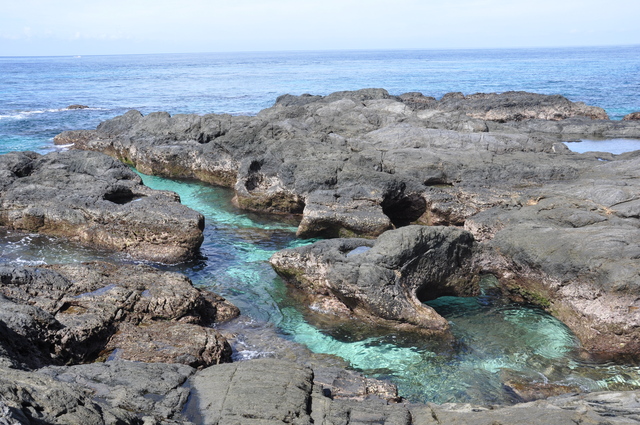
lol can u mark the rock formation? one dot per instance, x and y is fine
(634, 116)
(78, 313)
(558, 229)
(256, 392)
(90, 198)
(360, 163)
(387, 279)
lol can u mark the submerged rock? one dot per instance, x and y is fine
(90, 198)
(387, 279)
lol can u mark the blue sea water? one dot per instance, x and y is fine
(497, 341)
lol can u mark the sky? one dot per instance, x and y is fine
(86, 27)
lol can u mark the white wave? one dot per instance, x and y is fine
(18, 115)
(64, 147)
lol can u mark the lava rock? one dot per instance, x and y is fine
(90, 198)
(634, 116)
(387, 279)
(360, 163)
(70, 313)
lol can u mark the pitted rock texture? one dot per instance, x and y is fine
(388, 278)
(90, 198)
(364, 162)
(360, 163)
(73, 313)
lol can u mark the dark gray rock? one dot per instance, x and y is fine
(32, 398)
(350, 161)
(153, 390)
(70, 313)
(254, 392)
(361, 163)
(90, 198)
(573, 249)
(387, 279)
(27, 335)
(517, 106)
(277, 392)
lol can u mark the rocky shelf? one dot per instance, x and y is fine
(488, 173)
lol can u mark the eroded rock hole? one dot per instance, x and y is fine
(431, 292)
(254, 179)
(405, 210)
(121, 197)
(255, 166)
(204, 138)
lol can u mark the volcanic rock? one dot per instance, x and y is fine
(90, 198)
(385, 279)
(70, 313)
(361, 163)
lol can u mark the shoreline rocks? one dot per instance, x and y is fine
(353, 163)
(385, 280)
(634, 116)
(93, 199)
(79, 313)
(364, 162)
(250, 392)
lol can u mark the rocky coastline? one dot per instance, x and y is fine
(417, 198)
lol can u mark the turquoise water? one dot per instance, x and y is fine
(496, 341)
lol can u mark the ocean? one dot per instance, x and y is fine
(498, 340)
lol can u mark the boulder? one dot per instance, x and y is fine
(157, 342)
(90, 198)
(154, 392)
(32, 398)
(254, 392)
(72, 313)
(518, 106)
(634, 116)
(386, 279)
(573, 249)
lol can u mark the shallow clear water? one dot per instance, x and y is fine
(496, 341)
(615, 146)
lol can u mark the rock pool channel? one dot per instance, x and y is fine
(501, 347)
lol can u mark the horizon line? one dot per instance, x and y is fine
(78, 55)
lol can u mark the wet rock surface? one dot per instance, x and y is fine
(256, 392)
(90, 198)
(239, 393)
(388, 278)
